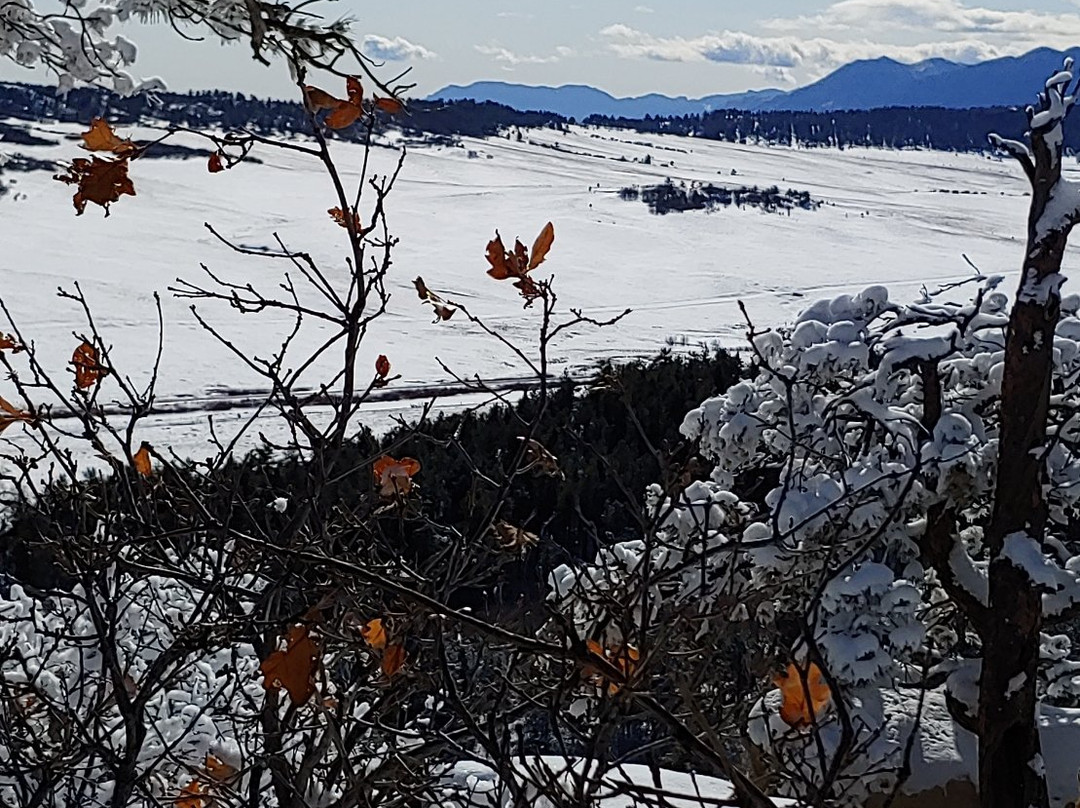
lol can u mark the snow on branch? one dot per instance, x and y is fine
(1054, 102)
(1046, 127)
(1017, 150)
(77, 45)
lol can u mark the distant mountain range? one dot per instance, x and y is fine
(862, 85)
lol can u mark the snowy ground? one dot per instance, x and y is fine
(888, 217)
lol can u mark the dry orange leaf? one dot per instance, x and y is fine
(496, 256)
(518, 263)
(293, 668)
(382, 370)
(193, 795)
(537, 457)
(141, 460)
(88, 371)
(443, 311)
(338, 216)
(795, 710)
(542, 245)
(393, 659)
(100, 181)
(623, 657)
(374, 634)
(389, 105)
(214, 164)
(101, 137)
(12, 415)
(218, 770)
(342, 113)
(344, 116)
(318, 100)
(355, 91)
(394, 477)
(9, 343)
(512, 538)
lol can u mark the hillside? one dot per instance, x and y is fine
(861, 85)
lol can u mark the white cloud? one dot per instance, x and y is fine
(644, 10)
(907, 30)
(508, 58)
(393, 50)
(939, 16)
(946, 16)
(813, 55)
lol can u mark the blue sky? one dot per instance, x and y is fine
(677, 47)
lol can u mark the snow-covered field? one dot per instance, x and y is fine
(888, 217)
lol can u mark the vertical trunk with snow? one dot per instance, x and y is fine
(1010, 771)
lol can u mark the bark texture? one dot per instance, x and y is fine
(1009, 772)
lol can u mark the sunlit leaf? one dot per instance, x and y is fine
(141, 460)
(101, 137)
(538, 458)
(355, 91)
(374, 634)
(317, 100)
(394, 477)
(193, 795)
(389, 105)
(795, 709)
(343, 116)
(542, 245)
(519, 263)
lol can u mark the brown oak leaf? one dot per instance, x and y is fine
(338, 216)
(519, 262)
(293, 668)
(512, 538)
(99, 181)
(101, 137)
(443, 310)
(393, 659)
(88, 370)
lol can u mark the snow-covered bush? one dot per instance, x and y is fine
(870, 417)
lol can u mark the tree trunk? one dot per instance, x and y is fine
(1011, 774)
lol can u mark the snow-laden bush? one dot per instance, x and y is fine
(146, 684)
(870, 418)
